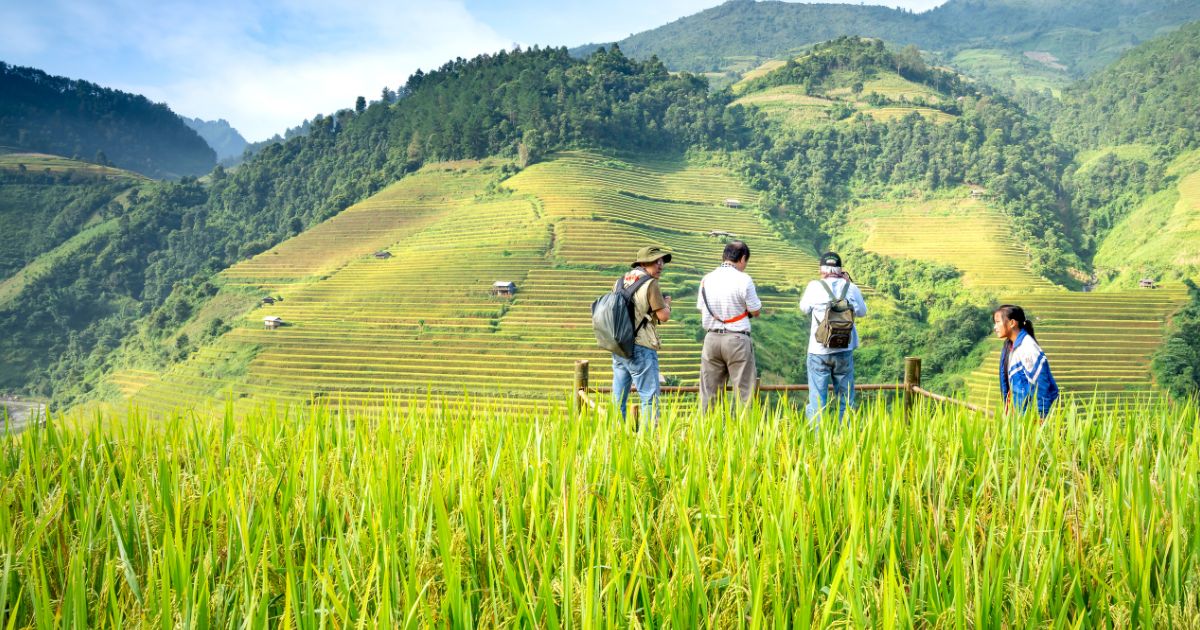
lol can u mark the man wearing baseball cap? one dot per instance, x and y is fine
(651, 308)
(833, 290)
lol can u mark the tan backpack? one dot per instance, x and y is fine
(837, 329)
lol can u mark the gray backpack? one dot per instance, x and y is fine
(613, 318)
(837, 329)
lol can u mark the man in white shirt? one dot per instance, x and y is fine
(827, 364)
(727, 301)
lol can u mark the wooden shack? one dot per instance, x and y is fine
(1147, 283)
(733, 203)
(271, 322)
(978, 192)
(268, 300)
(383, 255)
(504, 288)
(721, 234)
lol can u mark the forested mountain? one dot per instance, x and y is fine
(745, 30)
(49, 114)
(814, 171)
(1062, 38)
(519, 104)
(1148, 96)
(219, 135)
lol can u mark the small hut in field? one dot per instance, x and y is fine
(733, 203)
(383, 255)
(1148, 283)
(271, 322)
(503, 288)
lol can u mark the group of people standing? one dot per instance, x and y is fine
(728, 301)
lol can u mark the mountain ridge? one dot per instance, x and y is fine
(40, 112)
(226, 141)
(1081, 36)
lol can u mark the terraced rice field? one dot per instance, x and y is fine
(894, 87)
(898, 112)
(789, 106)
(792, 109)
(962, 232)
(1095, 342)
(366, 330)
(45, 162)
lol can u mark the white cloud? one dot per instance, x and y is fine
(266, 65)
(263, 66)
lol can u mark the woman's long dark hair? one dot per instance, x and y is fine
(1016, 314)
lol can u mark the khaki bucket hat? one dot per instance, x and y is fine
(647, 255)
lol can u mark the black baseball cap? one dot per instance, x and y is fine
(831, 259)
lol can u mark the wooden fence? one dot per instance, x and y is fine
(909, 389)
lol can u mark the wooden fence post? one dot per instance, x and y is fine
(912, 378)
(581, 385)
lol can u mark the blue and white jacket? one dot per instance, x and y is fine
(1028, 376)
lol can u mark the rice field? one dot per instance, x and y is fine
(1097, 343)
(325, 517)
(360, 329)
(962, 232)
(894, 87)
(789, 107)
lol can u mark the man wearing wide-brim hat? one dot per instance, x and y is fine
(651, 308)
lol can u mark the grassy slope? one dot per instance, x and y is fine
(12, 286)
(1161, 237)
(791, 109)
(20, 218)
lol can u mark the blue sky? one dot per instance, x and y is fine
(266, 65)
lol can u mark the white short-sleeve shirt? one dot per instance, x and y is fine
(729, 293)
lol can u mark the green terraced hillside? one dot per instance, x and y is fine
(1096, 342)
(791, 108)
(363, 328)
(1161, 237)
(963, 232)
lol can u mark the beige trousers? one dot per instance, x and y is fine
(727, 358)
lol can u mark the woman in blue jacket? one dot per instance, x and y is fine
(1024, 371)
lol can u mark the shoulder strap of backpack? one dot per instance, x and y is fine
(704, 297)
(845, 290)
(632, 289)
(828, 289)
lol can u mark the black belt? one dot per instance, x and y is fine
(736, 332)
